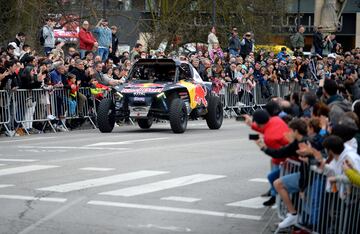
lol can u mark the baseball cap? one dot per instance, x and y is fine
(332, 56)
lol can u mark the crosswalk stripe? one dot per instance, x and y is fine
(17, 160)
(69, 147)
(6, 185)
(255, 203)
(96, 169)
(24, 169)
(29, 198)
(181, 199)
(174, 209)
(127, 142)
(91, 183)
(261, 180)
(162, 185)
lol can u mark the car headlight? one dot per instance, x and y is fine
(118, 96)
(160, 95)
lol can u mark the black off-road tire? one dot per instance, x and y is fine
(215, 115)
(105, 115)
(178, 116)
(145, 123)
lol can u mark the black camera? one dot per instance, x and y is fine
(254, 137)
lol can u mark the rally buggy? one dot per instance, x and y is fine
(161, 89)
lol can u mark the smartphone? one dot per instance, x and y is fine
(240, 118)
(254, 137)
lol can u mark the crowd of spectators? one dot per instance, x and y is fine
(320, 128)
(96, 62)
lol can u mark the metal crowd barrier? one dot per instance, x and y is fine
(324, 209)
(4, 110)
(238, 96)
(287, 167)
(31, 106)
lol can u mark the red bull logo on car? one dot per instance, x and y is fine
(200, 95)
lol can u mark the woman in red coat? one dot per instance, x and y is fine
(87, 41)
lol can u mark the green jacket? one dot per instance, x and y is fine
(297, 40)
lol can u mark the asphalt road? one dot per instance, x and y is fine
(134, 181)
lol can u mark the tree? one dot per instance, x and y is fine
(190, 20)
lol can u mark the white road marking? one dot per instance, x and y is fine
(84, 184)
(6, 185)
(96, 169)
(127, 142)
(174, 209)
(2, 164)
(70, 147)
(30, 139)
(162, 185)
(255, 203)
(24, 169)
(17, 160)
(167, 228)
(181, 199)
(29, 198)
(261, 180)
(50, 216)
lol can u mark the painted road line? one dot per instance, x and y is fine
(17, 160)
(2, 165)
(24, 169)
(261, 180)
(181, 199)
(29, 198)
(162, 185)
(174, 209)
(96, 169)
(84, 184)
(128, 142)
(6, 185)
(30, 139)
(69, 147)
(254, 203)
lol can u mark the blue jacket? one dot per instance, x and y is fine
(104, 36)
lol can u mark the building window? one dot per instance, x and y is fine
(125, 5)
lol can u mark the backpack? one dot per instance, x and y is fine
(41, 36)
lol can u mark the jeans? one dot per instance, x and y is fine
(272, 176)
(104, 53)
(82, 53)
(233, 52)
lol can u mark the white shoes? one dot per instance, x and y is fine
(240, 104)
(289, 221)
(51, 117)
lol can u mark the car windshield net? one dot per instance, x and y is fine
(152, 73)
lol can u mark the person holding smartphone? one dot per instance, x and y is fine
(273, 130)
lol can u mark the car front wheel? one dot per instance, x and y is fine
(178, 116)
(106, 115)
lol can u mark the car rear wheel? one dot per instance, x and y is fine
(178, 116)
(214, 117)
(106, 115)
(145, 123)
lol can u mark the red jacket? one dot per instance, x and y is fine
(274, 135)
(86, 40)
